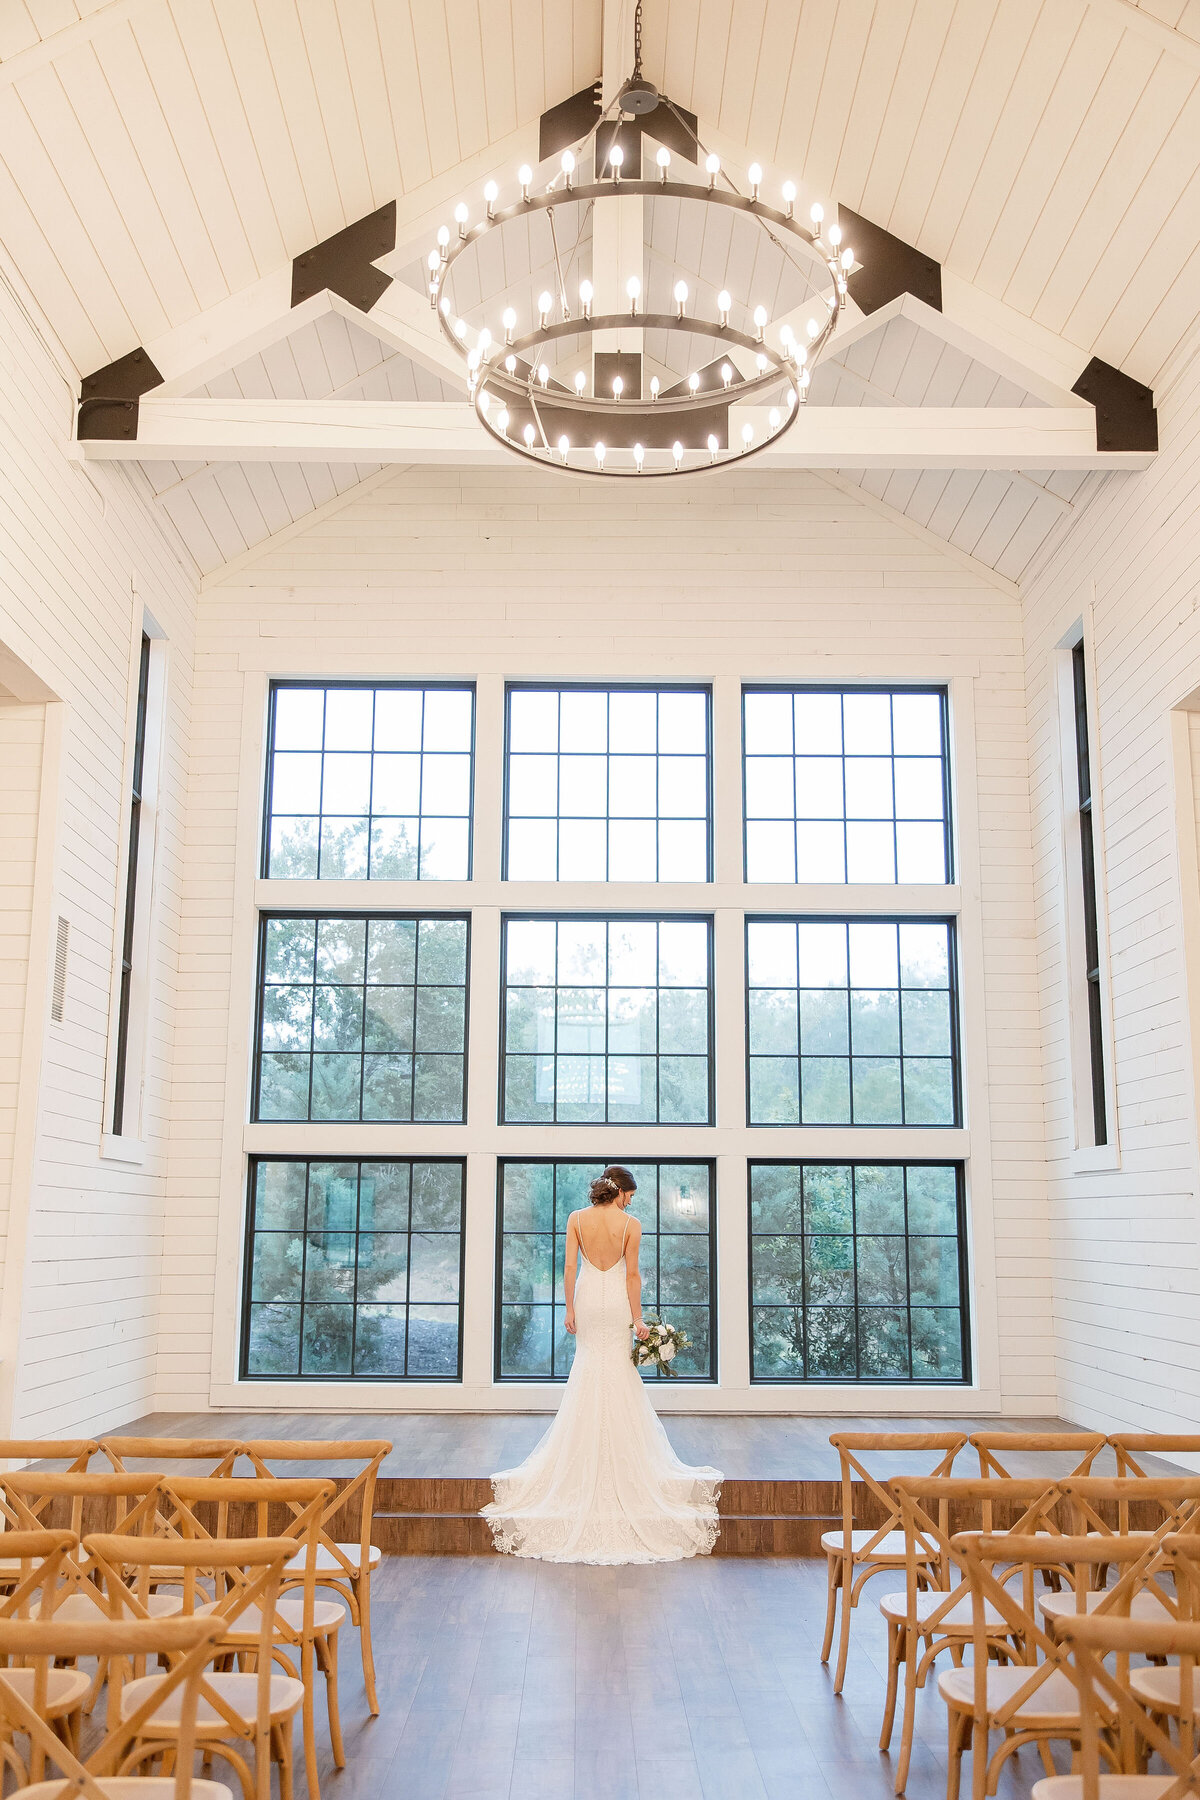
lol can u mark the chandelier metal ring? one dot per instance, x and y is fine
(488, 379)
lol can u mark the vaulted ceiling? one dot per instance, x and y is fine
(159, 156)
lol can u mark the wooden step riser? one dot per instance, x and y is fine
(466, 1534)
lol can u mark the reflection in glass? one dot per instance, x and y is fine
(606, 1019)
(857, 1272)
(673, 1203)
(354, 1269)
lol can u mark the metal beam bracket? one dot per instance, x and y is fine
(344, 263)
(890, 266)
(108, 400)
(1125, 415)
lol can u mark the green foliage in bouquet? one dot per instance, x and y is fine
(660, 1348)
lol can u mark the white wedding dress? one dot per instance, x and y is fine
(604, 1485)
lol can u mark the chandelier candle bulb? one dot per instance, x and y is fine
(443, 239)
(726, 373)
(713, 447)
(524, 176)
(835, 234)
(847, 258)
(528, 436)
(580, 382)
(681, 294)
(616, 157)
(585, 298)
(568, 168)
(724, 302)
(693, 381)
(490, 195)
(677, 453)
(713, 166)
(664, 161)
(773, 418)
(638, 456)
(564, 448)
(817, 215)
(789, 197)
(618, 387)
(510, 323)
(545, 302)
(510, 363)
(760, 321)
(633, 288)
(543, 373)
(502, 420)
(761, 363)
(484, 343)
(654, 387)
(461, 216)
(747, 435)
(485, 403)
(754, 176)
(460, 329)
(599, 453)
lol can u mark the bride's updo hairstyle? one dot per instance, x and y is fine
(615, 1180)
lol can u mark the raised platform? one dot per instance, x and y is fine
(781, 1489)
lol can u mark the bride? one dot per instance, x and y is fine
(604, 1485)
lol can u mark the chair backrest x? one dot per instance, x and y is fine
(41, 1643)
(1132, 1448)
(357, 1497)
(1079, 1449)
(854, 1446)
(1105, 1696)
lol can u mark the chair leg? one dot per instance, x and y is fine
(908, 1724)
(955, 1724)
(895, 1637)
(327, 1650)
(364, 1638)
(847, 1585)
(979, 1759)
(308, 1677)
(281, 1749)
(833, 1569)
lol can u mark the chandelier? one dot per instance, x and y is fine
(570, 386)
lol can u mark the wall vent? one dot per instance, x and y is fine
(59, 995)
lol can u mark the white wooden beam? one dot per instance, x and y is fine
(957, 437)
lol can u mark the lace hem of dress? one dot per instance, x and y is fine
(540, 1539)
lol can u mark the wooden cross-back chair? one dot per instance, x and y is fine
(1106, 1698)
(305, 1629)
(77, 1453)
(1131, 1448)
(343, 1564)
(1080, 1448)
(244, 1716)
(1167, 1692)
(1035, 1701)
(853, 1555)
(76, 1500)
(37, 1645)
(38, 1558)
(215, 1455)
(1145, 1509)
(933, 1614)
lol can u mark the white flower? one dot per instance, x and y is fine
(667, 1352)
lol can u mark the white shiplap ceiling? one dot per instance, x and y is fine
(157, 156)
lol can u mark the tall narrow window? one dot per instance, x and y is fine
(1091, 934)
(131, 875)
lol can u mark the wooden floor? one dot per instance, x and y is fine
(509, 1680)
(786, 1447)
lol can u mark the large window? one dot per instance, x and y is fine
(846, 785)
(607, 784)
(354, 1269)
(362, 1018)
(1091, 930)
(674, 1205)
(857, 1272)
(607, 1019)
(131, 886)
(369, 783)
(852, 1022)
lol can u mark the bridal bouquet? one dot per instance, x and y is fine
(660, 1348)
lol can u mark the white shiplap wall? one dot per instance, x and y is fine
(81, 554)
(1126, 1237)
(436, 572)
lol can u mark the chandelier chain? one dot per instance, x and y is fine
(637, 41)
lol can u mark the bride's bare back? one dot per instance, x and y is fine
(605, 1234)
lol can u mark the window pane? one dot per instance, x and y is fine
(606, 1019)
(856, 1272)
(370, 783)
(344, 1282)
(362, 1019)
(607, 785)
(674, 1205)
(846, 786)
(851, 1022)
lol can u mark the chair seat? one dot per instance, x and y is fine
(889, 1548)
(238, 1691)
(958, 1619)
(328, 1563)
(1070, 1787)
(1145, 1605)
(1055, 1701)
(80, 1609)
(132, 1787)
(328, 1615)
(65, 1688)
(1159, 1687)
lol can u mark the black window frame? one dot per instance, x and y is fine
(608, 918)
(964, 1287)
(507, 1161)
(1091, 897)
(137, 786)
(613, 687)
(253, 1163)
(939, 689)
(950, 920)
(368, 686)
(372, 915)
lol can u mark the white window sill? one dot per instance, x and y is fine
(131, 1151)
(1094, 1159)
